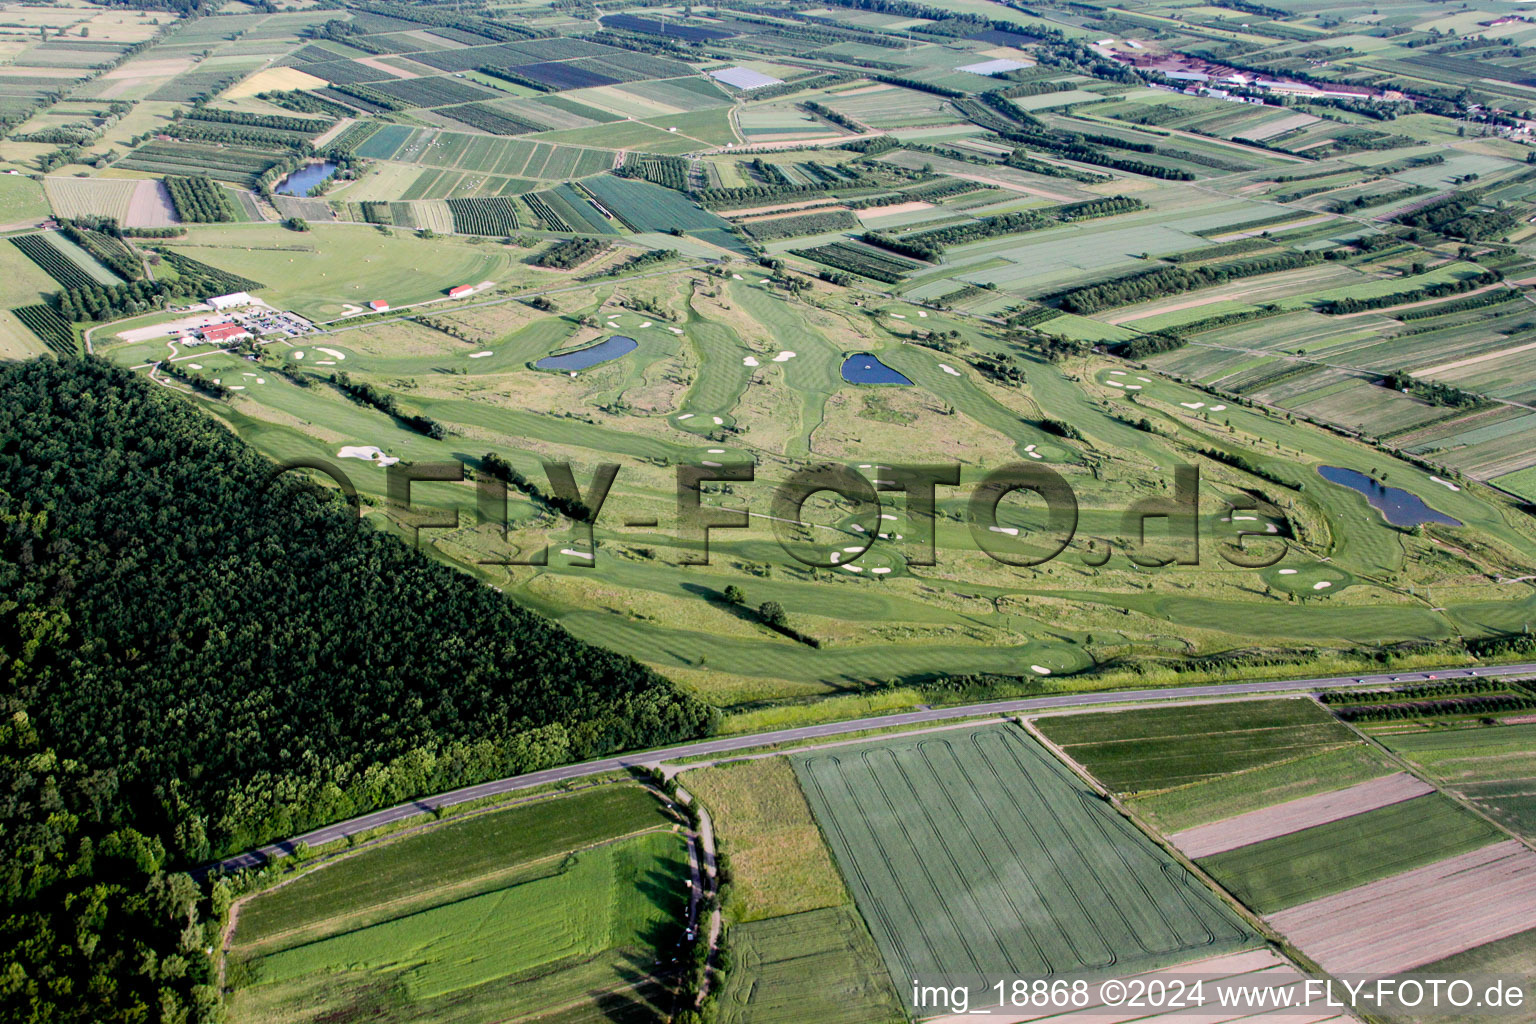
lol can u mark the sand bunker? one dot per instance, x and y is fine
(1324, 585)
(783, 357)
(333, 353)
(1041, 670)
(368, 453)
(949, 369)
(750, 361)
(480, 355)
(1446, 483)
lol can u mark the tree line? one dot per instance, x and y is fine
(368, 394)
(1151, 284)
(1433, 290)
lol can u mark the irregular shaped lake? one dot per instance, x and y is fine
(863, 368)
(305, 178)
(592, 355)
(1402, 508)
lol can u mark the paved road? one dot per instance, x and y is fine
(341, 830)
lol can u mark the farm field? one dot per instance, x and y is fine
(798, 946)
(514, 911)
(1309, 864)
(1295, 815)
(930, 828)
(1421, 916)
(1157, 748)
(818, 964)
(1494, 768)
(1253, 790)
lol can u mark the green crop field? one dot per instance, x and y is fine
(976, 854)
(1494, 767)
(504, 912)
(1157, 748)
(1223, 796)
(816, 965)
(1316, 862)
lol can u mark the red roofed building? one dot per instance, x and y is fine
(378, 305)
(460, 289)
(219, 334)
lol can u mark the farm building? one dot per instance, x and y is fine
(460, 290)
(231, 301)
(219, 334)
(378, 305)
(744, 78)
(993, 67)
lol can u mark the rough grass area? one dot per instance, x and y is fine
(1342, 854)
(780, 863)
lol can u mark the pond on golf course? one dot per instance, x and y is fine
(1402, 508)
(592, 355)
(863, 368)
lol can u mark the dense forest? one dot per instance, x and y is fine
(201, 654)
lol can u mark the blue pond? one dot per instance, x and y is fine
(305, 178)
(592, 355)
(1402, 508)
(863, 368)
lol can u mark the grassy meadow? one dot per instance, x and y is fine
(573, 900)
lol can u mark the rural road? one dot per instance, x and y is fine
(497, 787)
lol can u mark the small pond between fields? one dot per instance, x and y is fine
(305, 178)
